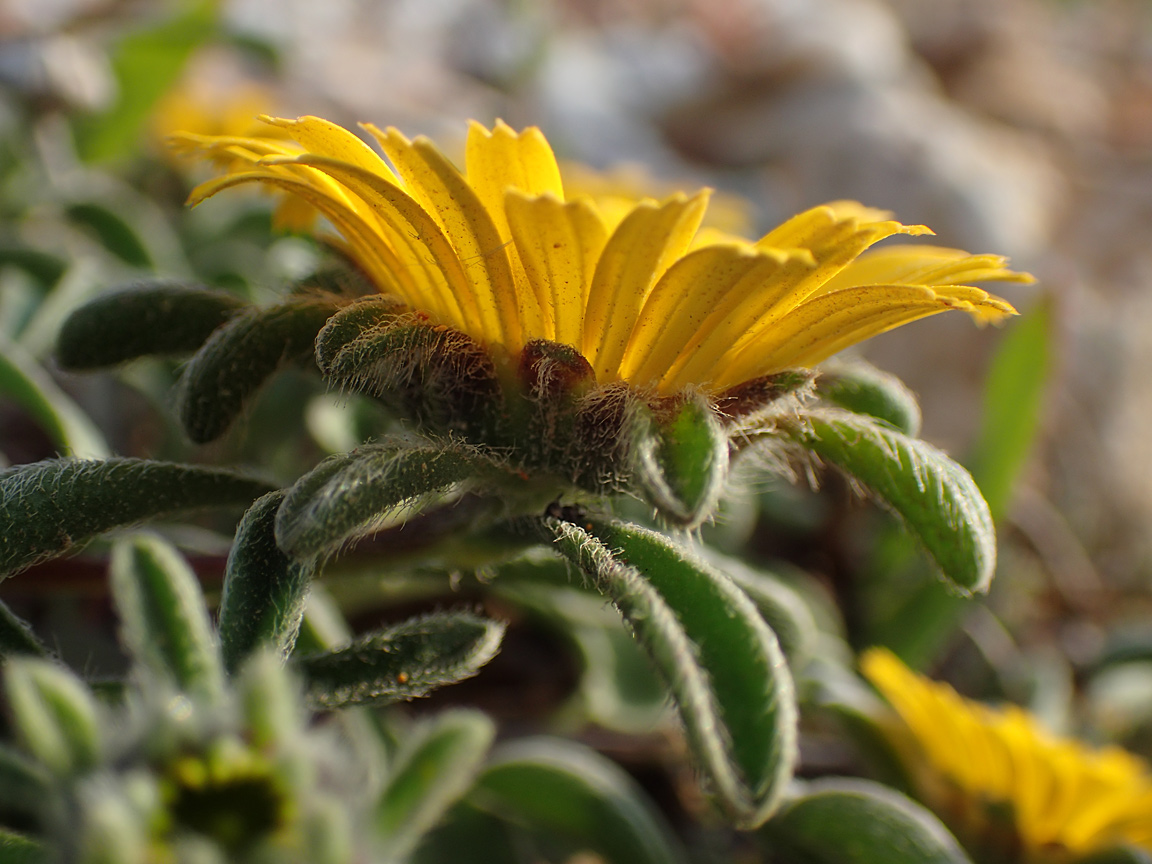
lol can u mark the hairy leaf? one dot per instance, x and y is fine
(435, 767)
(935, 497)
(16, 636)
(49, 508)
(403, 661)
(112, 231)
(353, 493)
(859, 822)
(553, 787)
(164, 620)
(720, 659)
(142, 319)
(241, 355)
(863, 389)
(264, 590)
(53, 714)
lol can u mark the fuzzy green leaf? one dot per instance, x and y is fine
(863, 389)
(143, 319)
(350, 324)
(271, 699)
(720, 659)
(16, 636)
(782, 607)
(434, 769)
(354, 493)
(49, 508)
(681, 461)
(241, 355)
(264, 590)
(53, 714)
(574, 795)
(403, 661)
(935, 497)
(27, 384)
(860, 822)
(164, 621)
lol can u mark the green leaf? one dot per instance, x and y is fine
(146, 63)
(782, 607)
(164, 620)
(16, 636)
(53, 714)
(935, 497)
(355, 493)
(681, 461)
(323, 627)
(403, 661)
(45, 268)
(859, 822)
(143, 319)
(720, 659)
(49, 508)
(567, 792)
(25, 787)
(18, 849)
(112, 231)
(264, 590)
(435, 767)
(241, 355)
(271, 699)
(27, 384)
(863, 389)
(355, 320)
(1013, 397)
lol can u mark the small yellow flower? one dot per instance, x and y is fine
(1004, 783)
(643, 293)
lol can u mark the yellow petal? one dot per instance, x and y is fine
(428, 256)
(559, 244)
(502, 160)
(504, 314)
(816, 330)
(374, 255)
(324, 138)
(683, 299)
(641, 248)
(922, 265)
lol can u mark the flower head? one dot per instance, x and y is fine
(642, 292)
(1006, 784)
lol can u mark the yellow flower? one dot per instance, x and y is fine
(647, 297)
(1003, 782)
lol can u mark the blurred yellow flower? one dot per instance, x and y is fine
(1002, 782)
(499, 252)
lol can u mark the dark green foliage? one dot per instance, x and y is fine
(16, 636)
(350, 493)
(112, 231)
(264, 590)
(240, 356)
(143, 319)
(858, 822)
(404, 661)
(49, 508)
(719, 658)
(566, 795)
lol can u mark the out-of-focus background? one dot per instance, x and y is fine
(1021, 127)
